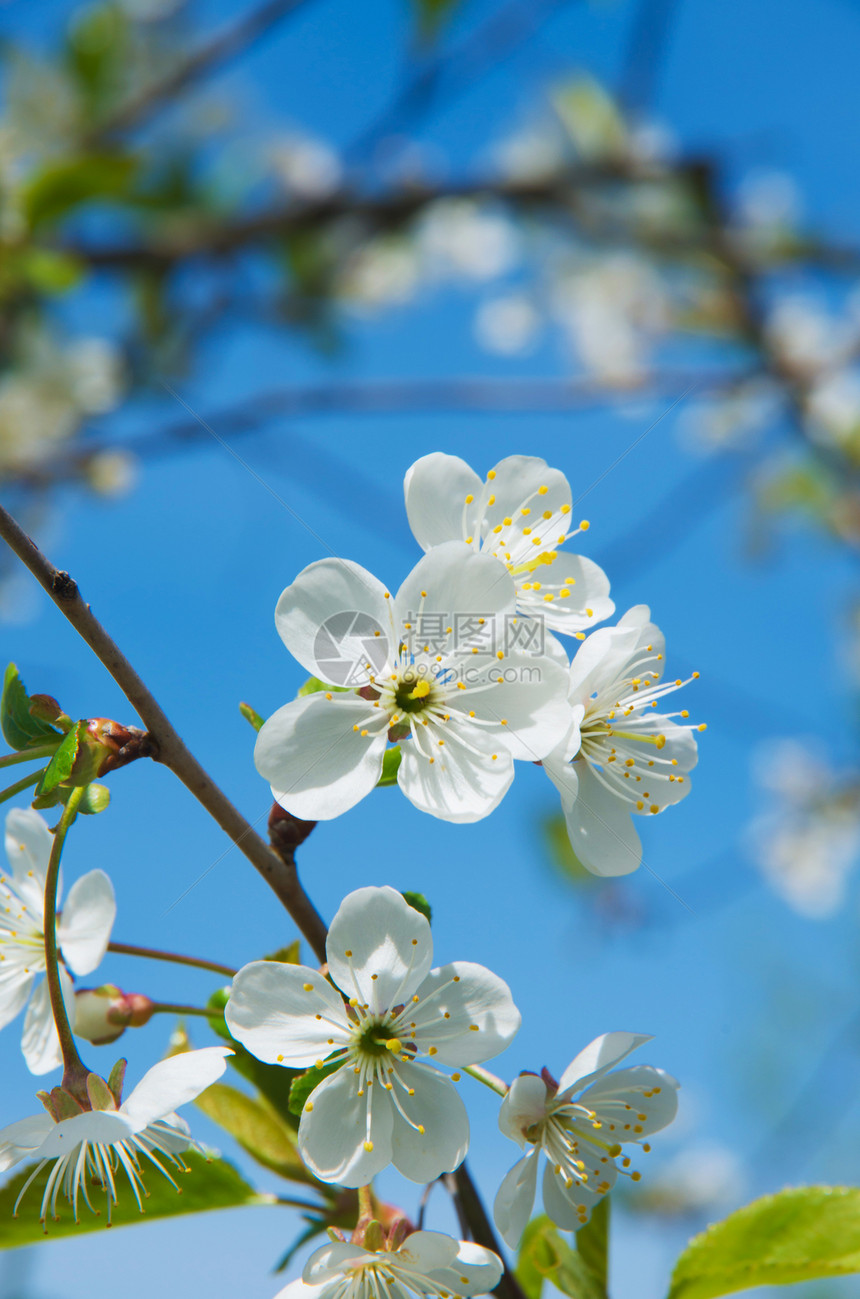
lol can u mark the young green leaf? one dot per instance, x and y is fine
(60, 767)
(303, 1085)
(20, 729)
(257, 1128)
(801, 1234)
(545, 1255)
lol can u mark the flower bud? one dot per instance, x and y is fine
(103, 1014)
(286, 831)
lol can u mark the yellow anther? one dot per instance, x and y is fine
(368, 1145)
(364, 732)
(565, 509)
(565, 591)
(685, 712)
(639, 805)
(308, 987)
(280, 1059)
(421, 1129)
(424, 594)
(527, 532)
(469, 541)
(431, 1050)
(328, 694)
(469, 499)
(491, 501)
(661, 741)
(460, 685)
(491, 475)
(654, 807)
(421, 691)
(348, 952)
(497, 528)
(471, 712)
(455, 1077)
(547, 514)
(584, 525)
(394, 1044)
(542, 491)
(309, 1107)
(635, 1177)
(590, 613)
(695, 676)
(703, 726)
(507, 522)
(549, 597)
(499, 654)
(579, 635)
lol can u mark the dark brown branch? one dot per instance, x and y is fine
(472, 1207)
(228, 44)
(171, 749)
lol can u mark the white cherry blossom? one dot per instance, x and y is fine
(382, 1104)
(521, 514)
(620, 755)
(427, 1263)
(432, 667)
(96, 1143)
(83, 933)
(581, 1138)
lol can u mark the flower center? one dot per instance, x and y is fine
(415, 692)
(376, 1039)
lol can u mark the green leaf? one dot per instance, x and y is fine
(801, 1234)
(313, 686)
(418, 902)
(60, 766)
(211, 1184)
(62, 186)
(592, 1242)
(546, 1256)
(305, 1083)
(251, 716)
(390, 767)
(20, 729)
(257, 1128)
(289, 955)
(49, 271)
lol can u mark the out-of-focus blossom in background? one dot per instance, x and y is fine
(806, 840)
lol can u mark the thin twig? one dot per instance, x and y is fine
(169, 747)
(155, 954)
(228, 44)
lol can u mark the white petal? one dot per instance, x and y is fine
(390, 944)
(515, 1198)
(314, 755)
(560, 1202)
(586, 604)
(300, 1289)
(174, 1082)
(520, 700)
(436, 487)
(475, 1270)
(333, 1133)
(424, 1252)
(596, 1059)
(273, 1011)
(40, 1043)
(86, 921)
(19, 1140)
(461, 780)
(459, 582)
(15, 985)
(438, 1108)
(331, 1260)
(28, 843)
(600, 661)
(517, 482)
(328, 619)
(481, 1016)
(525, 1104)
(600, 829)
(96, 1126)
(564, 776)
(626, 1087)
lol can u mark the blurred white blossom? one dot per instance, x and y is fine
(306, 167)
(508, 325)
(612, 312)
(460, 239)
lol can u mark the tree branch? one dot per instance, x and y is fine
(170, 748)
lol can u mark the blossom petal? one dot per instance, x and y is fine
(322, 755)
(300, 1289)
(596, 1059)
(463, 779)
(651, 1092)
(436, 1107)
(586, 604)
(101, 1126)
(475, 1270)
(19, 1140)
(515, 1198)
(28, 848)
(15, 985)
(40, 1043)
(425, 1252)
(329, 1261)
(273, 1011)
(455, 581)
(600, 660)
(328, 619)
(525, 1104)
(563, 775)
(521, 700)
(470, 1014)
(174, 1082)
(86, 921)
(436, 487)
(562, 1203)
(334, 1130)
(389, 946)
(600, 829)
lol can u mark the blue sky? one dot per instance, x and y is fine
(742, 995)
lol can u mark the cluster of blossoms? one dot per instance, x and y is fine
(461, 669)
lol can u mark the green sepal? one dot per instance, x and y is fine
(805, 1233)
(374, 1236)
(302, 1086)
(313, 686)
(45, 1098)
(21, 730)
(60, 767)
(116, 1078)
(390, 767)
(96, 798)
(289, 955)
(100, 1094)
(418, 902)
(251, 716)
(65, 1106)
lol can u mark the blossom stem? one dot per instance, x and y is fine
(20, 785)
(175, 1008)
(168, 746)
(154, 954)
(28, 755)
(365, 1203)
(488, 1079)
(74, 1070)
